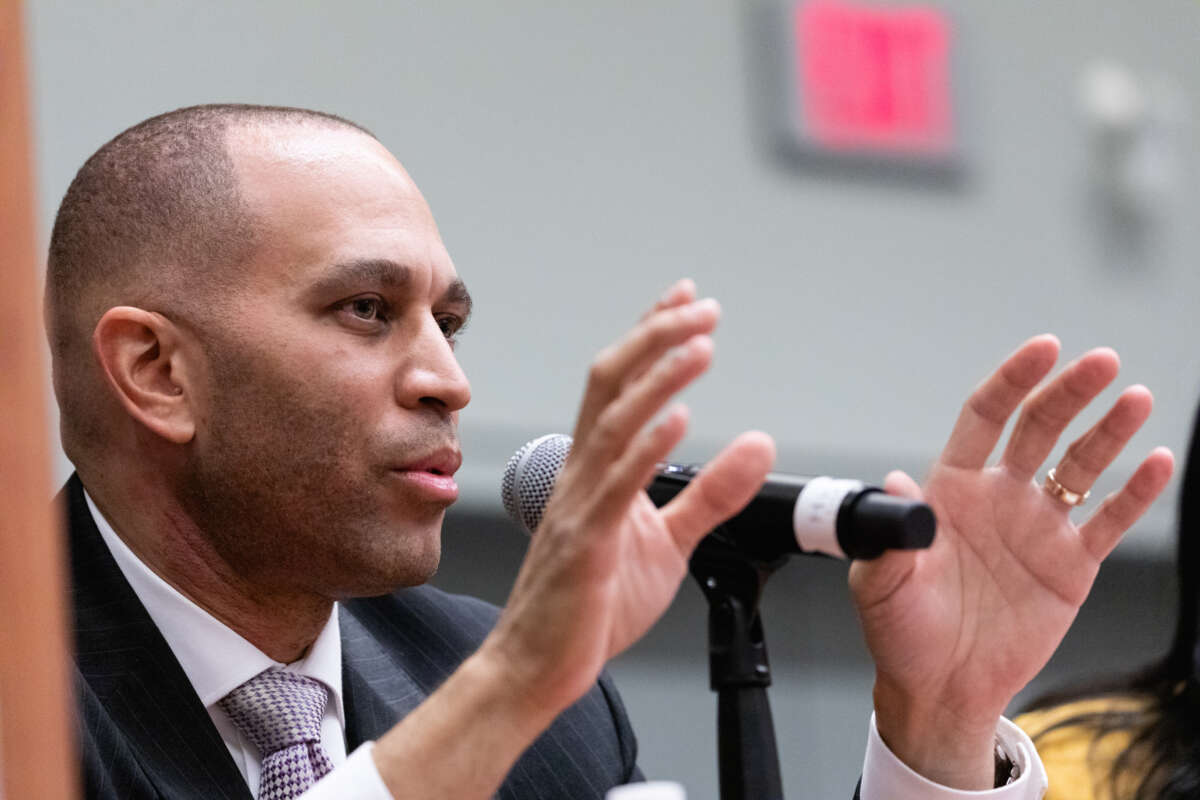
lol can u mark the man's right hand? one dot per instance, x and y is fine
(605, 562)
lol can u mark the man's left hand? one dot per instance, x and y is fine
(957, 630)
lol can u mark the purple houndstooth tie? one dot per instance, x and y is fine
(280, 712)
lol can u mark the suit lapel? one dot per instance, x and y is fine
(127, 664)
(378, 691)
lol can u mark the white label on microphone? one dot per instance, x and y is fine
(815, 516)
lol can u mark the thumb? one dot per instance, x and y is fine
(874, 581)
(901, 485)
(722, 488)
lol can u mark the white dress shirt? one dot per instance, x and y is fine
(217, 660)
(886, 777)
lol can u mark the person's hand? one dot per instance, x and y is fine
(605, 563)
(958, 629)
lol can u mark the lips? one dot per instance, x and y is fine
(442, 462)
(432, 476)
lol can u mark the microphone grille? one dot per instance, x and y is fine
(529, 478)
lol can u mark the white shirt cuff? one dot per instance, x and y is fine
(357, 779)
(886, 777)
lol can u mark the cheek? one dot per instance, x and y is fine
(307, 402)
(282, 408)
(332, 364)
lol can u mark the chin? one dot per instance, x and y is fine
(412, 563)
(377, 585)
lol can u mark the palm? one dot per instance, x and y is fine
(1005, 576)
(612, 576)
(967, 623)
(605, 562)
(647, 574)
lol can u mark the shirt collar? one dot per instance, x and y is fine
(215, 658)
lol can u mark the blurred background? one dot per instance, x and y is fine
(886, 199)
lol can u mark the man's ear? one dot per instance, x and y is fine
(145, 360)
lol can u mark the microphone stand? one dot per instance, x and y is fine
(732, 581)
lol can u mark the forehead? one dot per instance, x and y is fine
(322, 195)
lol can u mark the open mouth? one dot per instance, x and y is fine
(434, 482)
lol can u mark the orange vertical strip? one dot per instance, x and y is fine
(36, 744)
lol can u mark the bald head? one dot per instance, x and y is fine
(155, 219)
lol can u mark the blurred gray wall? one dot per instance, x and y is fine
(581, 156)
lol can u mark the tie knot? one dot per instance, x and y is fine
(277, 709)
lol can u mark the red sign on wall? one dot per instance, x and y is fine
(874, 78)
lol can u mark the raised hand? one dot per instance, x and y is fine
(957, 630)
(605, 562)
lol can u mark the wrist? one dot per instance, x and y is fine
(955, 750)
(515, 692)
(545, 675)
(465, 737)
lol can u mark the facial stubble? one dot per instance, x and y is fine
(293, 490)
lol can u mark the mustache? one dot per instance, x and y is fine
(404, 448)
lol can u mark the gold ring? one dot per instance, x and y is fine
(1062, 493)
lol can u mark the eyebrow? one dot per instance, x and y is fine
(376, 271)
(388, 274)
(457, 293)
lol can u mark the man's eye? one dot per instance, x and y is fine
(368, 309)
(451, 325)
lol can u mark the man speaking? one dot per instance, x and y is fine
(252, 321)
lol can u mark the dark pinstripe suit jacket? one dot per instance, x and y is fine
(144, 734)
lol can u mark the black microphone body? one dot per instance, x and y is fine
(790, 514)
(827, 516)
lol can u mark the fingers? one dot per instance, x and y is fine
(611, 436)
(986, 411)
(648, 342)
(723, 488)
(1046, 414)
(1120, 510)
(1092, 453)
(678, 293)
(628, 413)
(630, 473)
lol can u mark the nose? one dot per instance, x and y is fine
(432, 376)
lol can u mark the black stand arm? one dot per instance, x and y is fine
(732, 583)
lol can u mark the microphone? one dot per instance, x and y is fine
(790, 514)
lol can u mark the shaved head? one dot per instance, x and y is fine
(155, 219)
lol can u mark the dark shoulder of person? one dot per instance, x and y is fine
(427, 633)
